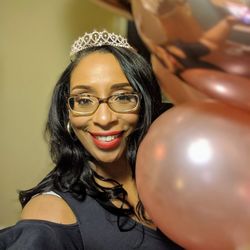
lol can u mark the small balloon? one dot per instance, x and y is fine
(233, 59)
(193, 175)
(231, 89)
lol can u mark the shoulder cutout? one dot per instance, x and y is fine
(50, 208)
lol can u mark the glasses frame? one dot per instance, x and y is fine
(103, 100)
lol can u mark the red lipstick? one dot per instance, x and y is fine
(107, 140)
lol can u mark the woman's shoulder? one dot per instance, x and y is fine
(48, 207)
(47, 222)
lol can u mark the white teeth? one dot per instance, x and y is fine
(106, 138)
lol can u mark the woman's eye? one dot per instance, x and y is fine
(84, 101)
(125, 98)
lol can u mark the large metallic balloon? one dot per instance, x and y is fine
(193, 176)
(209, 34)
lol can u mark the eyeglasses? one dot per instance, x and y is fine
(87, 104)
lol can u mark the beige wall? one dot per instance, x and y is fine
(34, 45)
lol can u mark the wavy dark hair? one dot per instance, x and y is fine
(72, 172)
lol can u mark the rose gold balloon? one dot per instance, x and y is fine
(176, 90)
(233, 60)
(179, 20)
(160, 20)
(147, 23)
(120, 7)
(231, 89)
(193, 176)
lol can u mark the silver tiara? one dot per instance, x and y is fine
(97, 39)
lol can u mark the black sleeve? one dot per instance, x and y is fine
(40, 235)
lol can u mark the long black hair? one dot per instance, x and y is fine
(72, 172)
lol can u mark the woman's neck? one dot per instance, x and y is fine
(119, 171)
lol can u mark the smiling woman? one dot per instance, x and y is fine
(102, 107)
(105, 128)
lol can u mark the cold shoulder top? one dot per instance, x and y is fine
(96, 229)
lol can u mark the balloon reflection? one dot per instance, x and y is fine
(244, 192)
(220, 89)
(239, 10)
(200, 152)
(160, 152)
(179, 184)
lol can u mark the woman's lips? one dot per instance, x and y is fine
(107, 140)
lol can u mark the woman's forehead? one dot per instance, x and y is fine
(98, 71)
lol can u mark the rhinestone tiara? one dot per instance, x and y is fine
(97, 39)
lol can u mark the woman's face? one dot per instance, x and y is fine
(104, 134)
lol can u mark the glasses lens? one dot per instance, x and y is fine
(124, 102)
(82, 103)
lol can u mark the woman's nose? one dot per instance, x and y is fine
(104, 116)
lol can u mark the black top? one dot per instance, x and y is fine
(40, 235)
(96, 229)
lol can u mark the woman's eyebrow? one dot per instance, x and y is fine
(86, 87)
(113, 87)
(120, 85)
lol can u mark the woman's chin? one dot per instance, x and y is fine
(109, 158)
